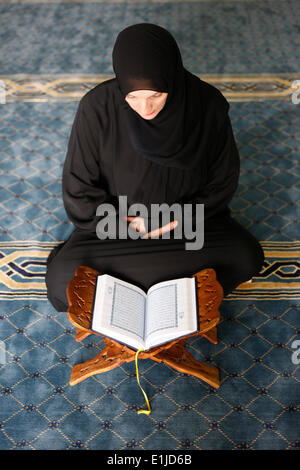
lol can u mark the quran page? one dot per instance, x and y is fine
(171, 311)
(119, 310)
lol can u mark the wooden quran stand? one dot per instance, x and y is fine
(80, 293)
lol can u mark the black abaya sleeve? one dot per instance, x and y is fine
(82, 188)
(222, 174)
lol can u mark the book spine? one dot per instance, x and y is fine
(94, 300)
(197, 305)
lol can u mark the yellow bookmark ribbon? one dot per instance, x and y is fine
(146, 412)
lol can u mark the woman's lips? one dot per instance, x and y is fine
(150, 113)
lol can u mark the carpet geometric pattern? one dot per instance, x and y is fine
(214, 36)
(39, 88)
(256, 406)
(258, 352)
(23, 268)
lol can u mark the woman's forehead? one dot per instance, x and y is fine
(143, 93)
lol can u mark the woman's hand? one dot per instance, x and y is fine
(138, 224)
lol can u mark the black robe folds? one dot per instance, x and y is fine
(101, 165)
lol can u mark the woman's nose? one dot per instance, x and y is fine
(146, 107)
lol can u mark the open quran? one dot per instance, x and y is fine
(138, 319)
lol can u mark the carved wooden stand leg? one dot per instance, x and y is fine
(112, 356)
(211, 335)
(180, 359)
(81, 334)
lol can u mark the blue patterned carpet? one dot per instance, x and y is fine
(51, 54)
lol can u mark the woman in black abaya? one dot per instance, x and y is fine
(156, 134)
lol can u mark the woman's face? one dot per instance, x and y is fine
(147, 103)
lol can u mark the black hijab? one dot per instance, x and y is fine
(147, 57)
